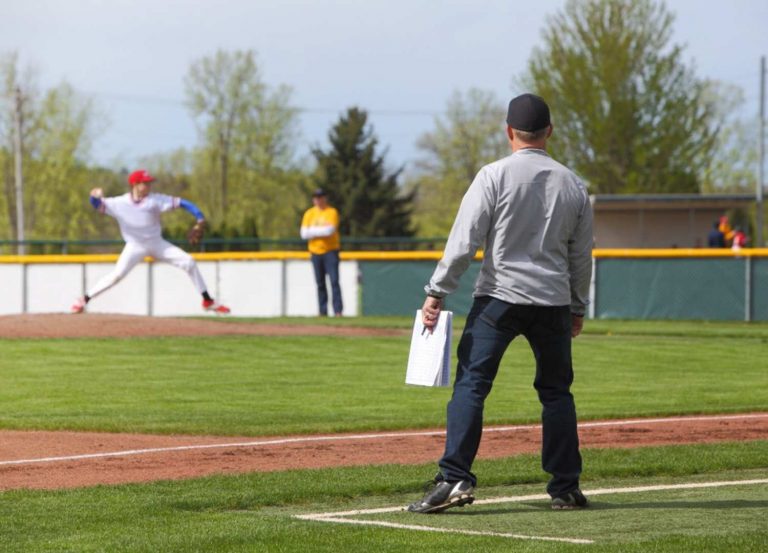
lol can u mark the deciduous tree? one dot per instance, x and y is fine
(58, 126)
(248, 136)
(469, 135)
(732, 165)
(629, 115)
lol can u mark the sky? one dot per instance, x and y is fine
(399, 59)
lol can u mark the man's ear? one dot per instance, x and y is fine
(549, 132)
(510, 134)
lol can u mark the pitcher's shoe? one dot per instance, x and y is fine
(444, 495)
(571, 500)
(211, 305)
(78, 306)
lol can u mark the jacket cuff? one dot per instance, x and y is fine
(432, 293)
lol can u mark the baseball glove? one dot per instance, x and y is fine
(196, 233)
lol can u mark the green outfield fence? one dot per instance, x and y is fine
(697, 284)
(690, 284)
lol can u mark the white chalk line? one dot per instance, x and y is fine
(340, 517)
(370, 436)
(452, 530)
(537, 497)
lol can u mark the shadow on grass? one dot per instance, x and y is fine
(605, 506)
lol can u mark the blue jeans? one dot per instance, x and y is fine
(327, 264)
(491, 326)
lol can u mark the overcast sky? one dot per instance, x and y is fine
(399, 59)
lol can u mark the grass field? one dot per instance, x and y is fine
(258, 386)
(256, 512)
(276, 385)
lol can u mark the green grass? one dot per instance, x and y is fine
(254, 512)
(278, 385)
(369, 321)
(620, 519)
(701, 329)
(251, 385)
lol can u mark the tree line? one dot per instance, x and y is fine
(630, 117)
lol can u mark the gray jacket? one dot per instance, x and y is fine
(534, 219)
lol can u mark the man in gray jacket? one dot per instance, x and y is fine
(533, 219)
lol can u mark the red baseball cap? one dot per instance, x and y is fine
(140, 176)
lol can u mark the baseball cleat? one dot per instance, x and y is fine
(444, 495)
(571, 500)
(211, 305)
(78, 306)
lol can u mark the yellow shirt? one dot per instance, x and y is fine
(315, 217)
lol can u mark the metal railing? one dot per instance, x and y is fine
(215, 244)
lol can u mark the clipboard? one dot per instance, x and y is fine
(429, 359)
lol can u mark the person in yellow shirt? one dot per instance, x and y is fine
(320, 227)
(728, 232)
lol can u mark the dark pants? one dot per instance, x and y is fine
(491, 325)
(327, 264)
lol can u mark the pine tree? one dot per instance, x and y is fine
(370, 201)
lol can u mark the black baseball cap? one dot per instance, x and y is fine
(319, 192)
(528, 112)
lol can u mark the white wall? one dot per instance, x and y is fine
(50, 286)
(173, 292)
(250, 288)
(129, 296)
(12, 285)
(302, 299)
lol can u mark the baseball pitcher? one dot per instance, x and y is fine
(138, 216)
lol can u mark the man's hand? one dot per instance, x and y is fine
(97, 193)
(577, 323)
(430, 312)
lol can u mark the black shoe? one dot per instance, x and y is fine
(571, 500)
(444, 495)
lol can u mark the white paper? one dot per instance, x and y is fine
(429, 360)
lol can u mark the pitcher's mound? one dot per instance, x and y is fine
(87, 325)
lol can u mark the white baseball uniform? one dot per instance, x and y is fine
(140, 227)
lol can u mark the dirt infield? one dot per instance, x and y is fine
(51, 460)
(59, 325)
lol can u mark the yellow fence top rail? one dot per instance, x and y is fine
(677, 253)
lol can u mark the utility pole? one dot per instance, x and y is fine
(761, 159)
(21, 249)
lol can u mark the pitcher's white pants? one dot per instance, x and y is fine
(160, 250)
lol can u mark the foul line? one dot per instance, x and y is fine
(451, 530)
(340, 517)
(371, 436)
